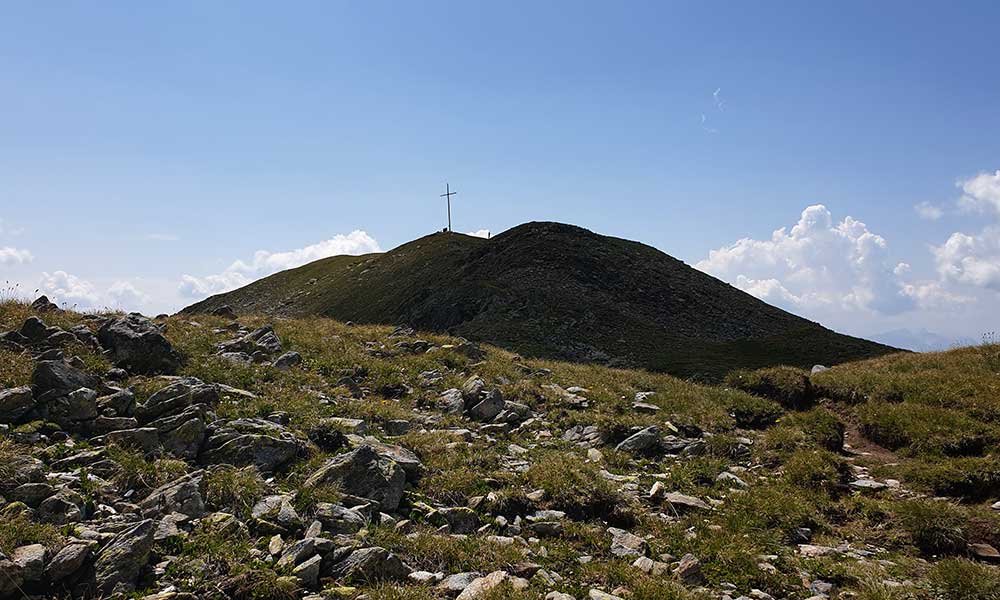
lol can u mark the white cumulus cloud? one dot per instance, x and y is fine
(66, 289)
(981, 193)
(971, 259)
(125, 296)
(928, 211)
(14, 256)
(265, 263)
(815, 266)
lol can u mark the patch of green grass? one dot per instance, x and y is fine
(432, 552)
(816, 428)
(233, 489)
(789, 386)
(936, 528)
(454, 471)
(135, 471)
(922, 429)
(975, 478)
(19, 529)
(573, 486)
(15, 368)
(751, 412)
(816, 469)
(960, 579)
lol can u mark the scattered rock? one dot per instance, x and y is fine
(135, 343)
(118, 564)
(370, 564)
(362, 472)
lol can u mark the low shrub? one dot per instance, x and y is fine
(960, 579)
(922, 429)
(936, 528)
(788, 386)
(572, 485)
(816, 469)
(752, 412)
(976, 478)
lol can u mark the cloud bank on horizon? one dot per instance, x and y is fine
(828, 270)
(825, 267)
(265, 263)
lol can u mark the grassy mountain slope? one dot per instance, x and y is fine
(782, 509)
(557, 291)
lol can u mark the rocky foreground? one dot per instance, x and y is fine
(209, 457)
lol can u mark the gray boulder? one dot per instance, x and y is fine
(15, 403)
(184, 433)
(11, 577)
(287, 361)
(277, 509)
(72, 410)
(362, 472)
(266, 445)
(145, 439)
(67, 561)
(183, 495)
(460, 519)
(624, 543)
(119, 564)
(488, 408)
(31, 560)
(471, 389)
(57, 378)
(644, 440)
(135, 343)
(339, 519)
(175, 397)
(369, 565)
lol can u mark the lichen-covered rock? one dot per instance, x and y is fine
(135, 343)
(15, 403)
(56, 378)
(175, 397)
(119, 563)
(266, 445)
(67, 561)
(370, 564)
(362, 472)
(183, 495)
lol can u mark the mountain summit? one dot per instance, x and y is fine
(556, 291)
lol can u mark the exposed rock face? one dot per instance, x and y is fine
(183, 495)
(370, 564)
(175, 397)
(642, 441)
(67, 561)
(362, 472)
(15, 403)
(136, 344)
(119, 563)
(56, 378)
(266, 445)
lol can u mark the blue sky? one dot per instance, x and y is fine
(146, 142)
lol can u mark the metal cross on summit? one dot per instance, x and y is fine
(448, 194)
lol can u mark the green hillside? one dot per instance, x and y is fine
(306, 458)
(554, 291)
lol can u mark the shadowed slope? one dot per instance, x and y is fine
(553, 290)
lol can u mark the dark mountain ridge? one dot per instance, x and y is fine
(558, 291)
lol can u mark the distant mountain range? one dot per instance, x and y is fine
(921, 340)
(557, 291)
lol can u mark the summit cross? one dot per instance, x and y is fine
(448, 194)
